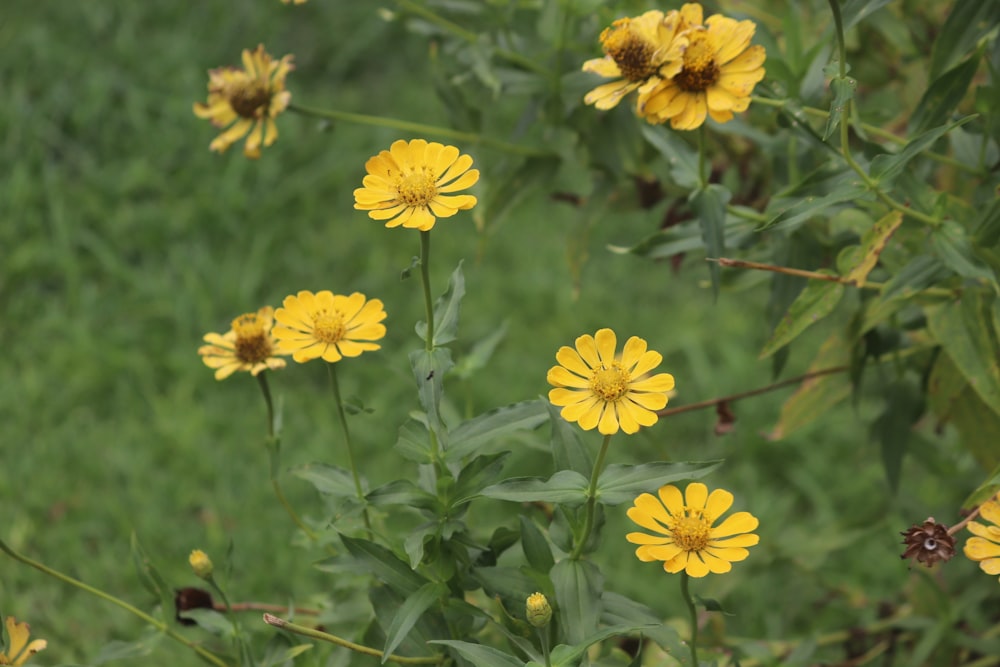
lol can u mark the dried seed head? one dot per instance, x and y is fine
(929, 542)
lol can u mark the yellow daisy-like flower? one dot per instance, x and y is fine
(19, 650)
(719, 72)
(984, 548)
(408, 184)
(594, 388)
(247, 101)
(247, 346)
(685, 539)
(328, 326)
(639, 53)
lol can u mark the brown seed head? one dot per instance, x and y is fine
(929, 542)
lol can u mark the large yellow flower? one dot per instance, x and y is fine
(595, 388)
(720, 70)
(247, 100)
(639, 53)
(19, 650)
(328, 326)
(247, 346)
(685, 538)
(984, 548)
(408, 184)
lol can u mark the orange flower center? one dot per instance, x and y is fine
(329, 327)
(700, 70)
(417, 188)
(250, 99)
(610, 384)
(632, 53)
(253, 344)
(692, 531)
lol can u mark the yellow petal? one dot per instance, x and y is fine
(733, 554)
(625, 417)
(744, 540)
(633, 351)
(587, 348)
(609, 422)
(648, 512)
(991, 512)
(589, 413)
(696, 566)
(719, 501)
(672, 499)
(695, 495)
(977, 548)
(644, 363)
(661, 382)
(740, 522)
(647, 539)
(716, 564)
(629, 411)
(573, 362)
(647, 401)
(560, 377)
(606, 342)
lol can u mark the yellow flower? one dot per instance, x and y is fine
(247, 100)
(328, 326)
(595, 388)
(984, 548)
(201, 564)
(639, 52)
(18, 649)
(720, 70)
(247, 346)
(408, 184)
(686, 539)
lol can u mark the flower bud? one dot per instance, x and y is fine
(200, 563)
(538, 610)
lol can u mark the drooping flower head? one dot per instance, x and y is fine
(984, 548)
(328, 326)
(639, 52)
(19, 650)
(247, 346)
(596, 388)
(409, 184)
(685, 538)
(719, 72)
(247, 101)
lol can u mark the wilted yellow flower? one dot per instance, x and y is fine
(720, 70)
(247, 101)
(595, 388)
(685, 538)
(328, 326)
(201, 564)
(408, 184)
(639, 53)
(984, 548)
(247, 346)
(19, 650)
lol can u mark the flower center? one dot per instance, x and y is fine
(328, 327)
(632, 54)
(250, 99)
(692, 531)
(253, 345)
(416, 188)
(700, 70)
(610, 384)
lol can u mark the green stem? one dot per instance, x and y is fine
(693, 612)
(332, 368)
(419, 128)
(702, 176)
(266, 391)
(159, 625)
(242, 646)
(588, 525)
(425, 280)
(543, 636)
(339, 641)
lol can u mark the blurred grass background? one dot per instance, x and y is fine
(124, 240)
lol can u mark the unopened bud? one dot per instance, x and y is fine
(201, 563)
(538, 610)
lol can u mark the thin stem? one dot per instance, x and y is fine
(358, 648)
(332, 368)
(159, 625)
(425, 280)
(972, 515)
(693, 612)
(702, 176)
(266, 391)
(242, 646)
(588, 525)
(543, 637)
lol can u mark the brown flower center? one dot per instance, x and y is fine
(253, 344)
(632, 53)
(329, 327)
(700, 70)
(610, 384)
(250, 99)
(417, 188)
(692, 531)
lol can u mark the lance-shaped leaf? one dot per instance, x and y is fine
(945, 93)
(862, 258)
(327, 479)
(683, 159)
(408, 615)
(429, 369)
(385, 565)
(484, 431)
(446, 310)
(480, 655)
(622, 483)
(885, 168)
(953, 246)
(578, 586)
(709, 204)
(968, 21)
(565, 487)
(817, 394)
(816, 301)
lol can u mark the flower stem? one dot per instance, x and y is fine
(332, 368)
(588, 525)
(693, 611)
(543, 636)
(339, 641)
(159, 625)
(425, 280)
(702, 176)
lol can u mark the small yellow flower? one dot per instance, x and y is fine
(201, 564)
(408, 184)
(720, 70)
(595, 388)
(537, 610)
(639, 52)
(984, 548)
(247, 101)
(686, 539)
(247, 346)
(328, 326)
(19, 650)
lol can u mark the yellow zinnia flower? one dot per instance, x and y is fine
(720, 70)
(247, 100)
(984, 548)
(595, 388)
(247, 346)
(19, 650)
(686, 539)
(639, 52)
(328, 326)
(407, 184)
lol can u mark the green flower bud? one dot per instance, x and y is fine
(201, 563)
(538, 610)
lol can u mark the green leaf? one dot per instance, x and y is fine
(578, 586)
(872, 244)
(384, 565)
(709, 204)
(885, 168)
(951, 399)
(818, 394)
(210, 621)
(327, 479)
(402, 492)
(119, 650)
(951, 244)
(622, 483)
(684, 238)
(846, 187)
(855, 11)
(486, 431)
(150, 577)
(480, 472)
(446, 310)
(479, 655)
(566, 487)
(920, 272)
(568, 450)
(904, 405)
(480, 353)
(816, 301)
(683, 159)
(944, 94)
(620, 610)
(408, 615)
(985, 491)
(414, 442)
(967, 23)
(536, 547)
(429, 369)
(987, 225)
(565, 656)
(843, 92)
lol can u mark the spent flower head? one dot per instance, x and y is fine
(984, 548)
(247, 346)
(247, 101)
(19, 649)
(597, 389)
(928, 543)
(410, 184)
(685, 538)
(328, 326)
